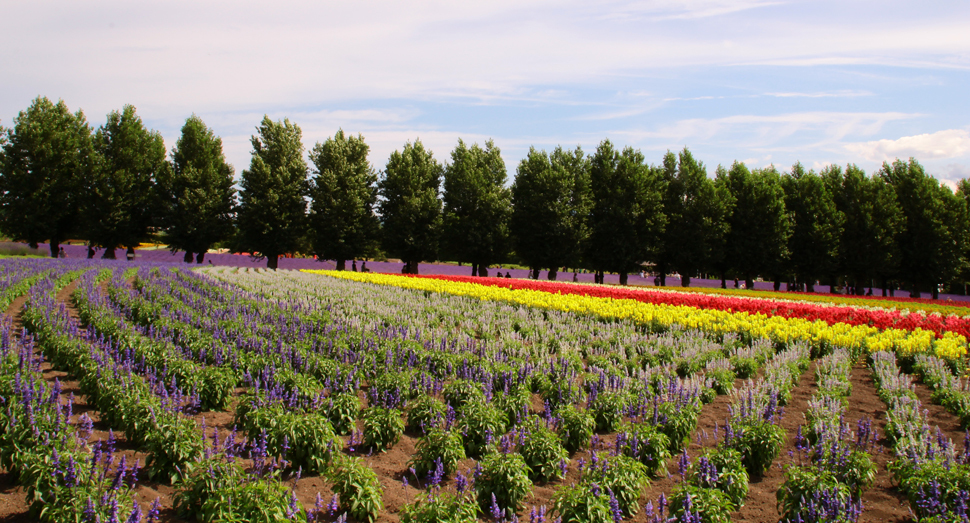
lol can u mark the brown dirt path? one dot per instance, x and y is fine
(761, 503)
(882, 503)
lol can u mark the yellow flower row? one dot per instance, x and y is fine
(775, 328)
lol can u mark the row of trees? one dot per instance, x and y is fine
(609, 211)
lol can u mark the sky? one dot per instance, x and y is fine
(760, 81)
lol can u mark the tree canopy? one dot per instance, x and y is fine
(696, 213)
(626, 217)
(342, 221)
(477, 206)
(45, 159)
(550, 202)
(271, 218)
(759, 228)
(410, 209)
(199, 197)
(121, 202)
(815, 225)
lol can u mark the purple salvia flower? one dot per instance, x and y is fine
(495, 510)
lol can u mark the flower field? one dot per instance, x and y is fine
(143, 392)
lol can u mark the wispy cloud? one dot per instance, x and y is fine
(822, 94)
(761, 130)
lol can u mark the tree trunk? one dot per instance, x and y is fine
(55, 248)
(553, 272)
(188, 257)
(723, 280)
(685, 281)
(663, 278)
(624, 276)
(90, 252)
(810, 287)
(413, 269)
(777, 285)
(272, 262)
(109, 254)
(936, 292)
(914, 291)
(341, 265)
(474, 269)
(483, 271)
(199, 258)
(749, 283)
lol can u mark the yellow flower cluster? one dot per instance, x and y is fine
(775, 328)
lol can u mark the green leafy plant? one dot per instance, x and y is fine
(722, 380)
(425, 412)
(608, 409)
(514, 403)
(706, 505)
(441, 507)
(720, 468)
(647, 444)
(217, 490)
(479, 424)
(504, 477)
(582, 504)
(382, 428)
(759, 443)
(681, 421)
(805, 483)
(460, 393)
(576, 427)
(543, 452)
(559, 393)
(622, 475)
(357, 487)
(342, 410)
(437, 443)
(745, 368)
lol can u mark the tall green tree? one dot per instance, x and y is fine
(271, 218)
(550, 206)
(344, 192)
(963, 196)
(758, 241)
(410, 208)
(871, 220)
(199, 196)
(626, 217)
(44, 160)
(929, 241)
(816, 226)
(121, 202)
(696, 218)
(720, 260)
(477, 206)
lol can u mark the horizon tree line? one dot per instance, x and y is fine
(609, 211)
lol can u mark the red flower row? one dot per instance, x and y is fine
(807, 311)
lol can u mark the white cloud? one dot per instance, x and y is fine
(951, 143)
